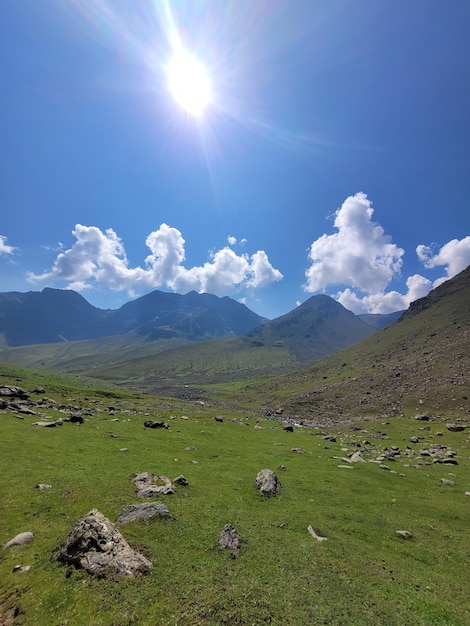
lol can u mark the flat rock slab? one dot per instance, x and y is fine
(49, 424)
(149, 485)
(96, 545)
(455, 428)
(268, 483)
(19, 540)
(144, 511)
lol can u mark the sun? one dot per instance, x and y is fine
(189, 83)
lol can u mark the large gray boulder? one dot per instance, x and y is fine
(96, 545)
(268, 483)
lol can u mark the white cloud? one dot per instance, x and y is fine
(4, 247)
(261, 271)
(381, 302)
(455, 255)
(100, 257)
(359, 254)
(231, 240)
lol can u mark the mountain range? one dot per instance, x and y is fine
(60, 329)
(56, 315)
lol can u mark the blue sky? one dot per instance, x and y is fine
(333, 158)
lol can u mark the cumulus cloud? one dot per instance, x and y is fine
(99, 257)
(361, 257)
(4, 247)
(231, 240)
(454, 255)
(382, 302)
(359, 254)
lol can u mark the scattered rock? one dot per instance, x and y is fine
(314, 534)
(421, 418)
(268, 483)
(42, 486)
(48, 424)
(446, 481)
(154, 424)
(149, 485)
(189, 448)
(230, 539)
(404, 534)
(288, 428)
(96, 545)
(467, 493)
(180, 481)
(297, 450)
(356, 457)
(282, 468)
(76, 418)
(144, 511)
(414, 439)
(22, 569)
(455, 428)
(10, 391)
(218, 418)
(19, 540)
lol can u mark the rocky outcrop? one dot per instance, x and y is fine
(96, 545)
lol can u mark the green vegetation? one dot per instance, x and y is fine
(363, 574)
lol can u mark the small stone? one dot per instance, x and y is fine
(230, 539)
(446, 481)
(42, 486)
(297, 450)
(180, 481)
(19, 540)
(404, 534)
(356, 458)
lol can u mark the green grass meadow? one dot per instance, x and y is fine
(363, 574)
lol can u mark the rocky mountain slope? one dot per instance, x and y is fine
(419, 364)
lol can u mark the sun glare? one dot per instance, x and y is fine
(189, 83)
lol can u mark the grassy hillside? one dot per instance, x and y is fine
(363, 574)
(208, 361)
(75, 356)
(315, 329)
(420, 363)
